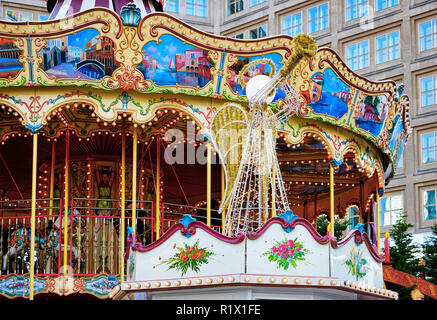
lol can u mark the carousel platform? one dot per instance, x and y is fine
(285, 259)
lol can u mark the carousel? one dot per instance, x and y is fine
(142, 158)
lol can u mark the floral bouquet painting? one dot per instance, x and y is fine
(188, 258)
(286, 253)
(356, 265)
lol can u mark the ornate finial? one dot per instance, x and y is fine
(130, 15)
(399, 90)
(187, 219)
(359, 227)
(288, 216)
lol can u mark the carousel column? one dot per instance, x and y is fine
(208, 184)
(331, 196)
(377, 221)
(52, 178)
(33, 212)
(134, 180)
(223, 198)
(123, 203)
(66, 201)
(158, 187)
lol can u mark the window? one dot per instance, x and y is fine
(353, 214)
(429, 204)
(399, 164)
(358, 55)
(318, 18)
(391, 209)
(356, 9)
(428, 91)
(428, 35)
(234, 6)
(239, 36)
(384, 4)
(259, 32)
(196, 8)
(172, 6)
(255, 2)
(387, 47)
(292, 25)
(429, 147)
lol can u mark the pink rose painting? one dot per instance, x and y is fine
(286, 253)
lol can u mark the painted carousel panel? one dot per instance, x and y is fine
(10, 64)
(396, 134)
(279, 252)
(174, 62)
(372, 113)
(353, 261)
(84, 55)
(245, 68)
(327, 94)
(201, 254)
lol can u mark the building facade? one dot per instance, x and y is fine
(23, 10)
(378, 39)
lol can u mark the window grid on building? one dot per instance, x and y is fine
(318, 18)
(255, 2)
(172, 6)
(384, 4)
(238, 36)
(387, 47)
(292, 25)
(391, 209)
(196, 8)
(429, 147)
(358, 55)
(356, 9)
(428, 35)
(429, 204)
(235, 6)
(428, 91)
(258, 32)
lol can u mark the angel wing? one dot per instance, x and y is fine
(228, 133)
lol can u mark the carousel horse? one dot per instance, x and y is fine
(52, 240)
(20, 241)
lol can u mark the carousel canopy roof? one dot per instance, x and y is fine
(62, 8)
(96, 59)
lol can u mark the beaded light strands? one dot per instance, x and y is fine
(258, 189)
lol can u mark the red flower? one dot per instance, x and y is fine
(193, 256)
(290, 243)
(174, 246)
(189, 250)
(184, 259)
